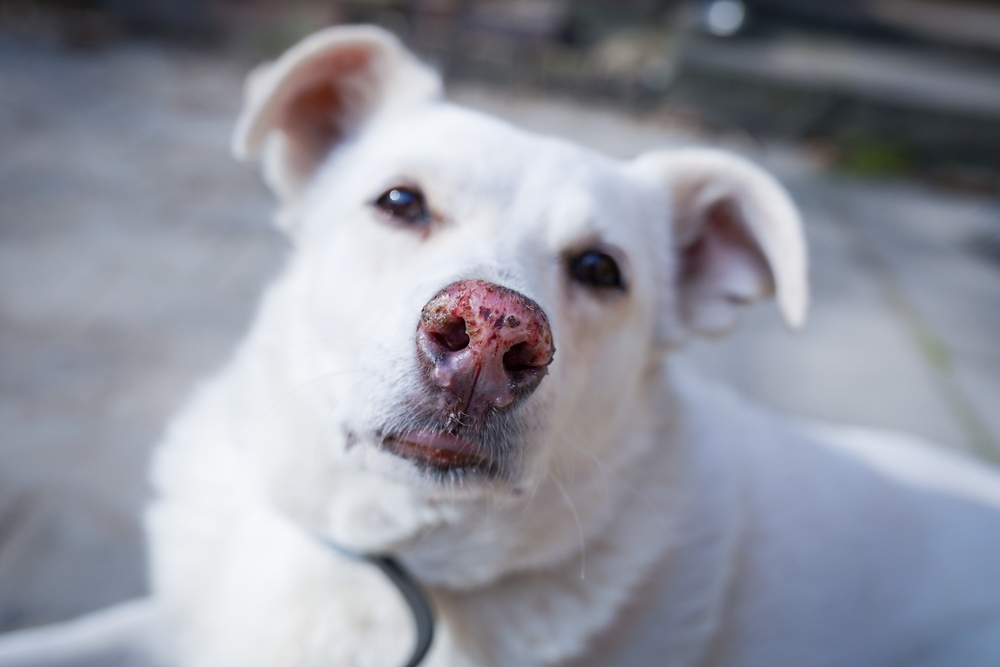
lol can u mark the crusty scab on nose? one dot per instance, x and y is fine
(456, 305)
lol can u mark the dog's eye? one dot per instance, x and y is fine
(597, 270)
(404, 205)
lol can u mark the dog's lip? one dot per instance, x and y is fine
(437, 448)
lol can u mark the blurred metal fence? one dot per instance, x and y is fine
(880, 86)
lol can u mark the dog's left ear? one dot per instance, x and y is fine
(298, 108)
(736, 238)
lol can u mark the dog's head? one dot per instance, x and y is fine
(478, 311)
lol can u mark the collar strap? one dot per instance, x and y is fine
(416, 598)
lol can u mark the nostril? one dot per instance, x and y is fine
(520, 357)
(452, 336)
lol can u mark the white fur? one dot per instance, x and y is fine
(642, 518)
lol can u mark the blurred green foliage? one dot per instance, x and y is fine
(873, 157)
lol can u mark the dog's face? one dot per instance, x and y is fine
(480, 309)
(478, 278)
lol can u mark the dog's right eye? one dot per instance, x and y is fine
(404, 205)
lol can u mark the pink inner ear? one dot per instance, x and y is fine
(723, 261)
(314, 117)
(311, 117)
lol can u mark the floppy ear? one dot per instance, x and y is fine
(318, 93)
(736, 237)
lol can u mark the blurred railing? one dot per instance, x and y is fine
(879, 86)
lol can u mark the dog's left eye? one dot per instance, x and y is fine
(596, 269)
(404, 205)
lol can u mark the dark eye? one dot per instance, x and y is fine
(405, 205)
(597, 270)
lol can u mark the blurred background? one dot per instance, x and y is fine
(133, 249)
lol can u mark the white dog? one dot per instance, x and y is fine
(466, 365)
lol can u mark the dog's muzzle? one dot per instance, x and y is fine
(481, 349)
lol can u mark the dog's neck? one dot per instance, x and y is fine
(549, 615)
(542, 613)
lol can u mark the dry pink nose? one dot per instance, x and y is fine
(484, 345)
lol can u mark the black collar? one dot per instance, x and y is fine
(416, 598)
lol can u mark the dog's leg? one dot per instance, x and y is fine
(126, 635)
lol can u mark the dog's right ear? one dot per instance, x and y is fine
(298, 108)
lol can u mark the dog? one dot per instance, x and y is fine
(466, 365)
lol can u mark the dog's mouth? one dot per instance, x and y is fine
(442, 451)
(437, 442)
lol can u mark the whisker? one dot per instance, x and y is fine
(579, 526)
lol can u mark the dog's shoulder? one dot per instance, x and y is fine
(899, 538)
(911, 461)
(803, 451)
